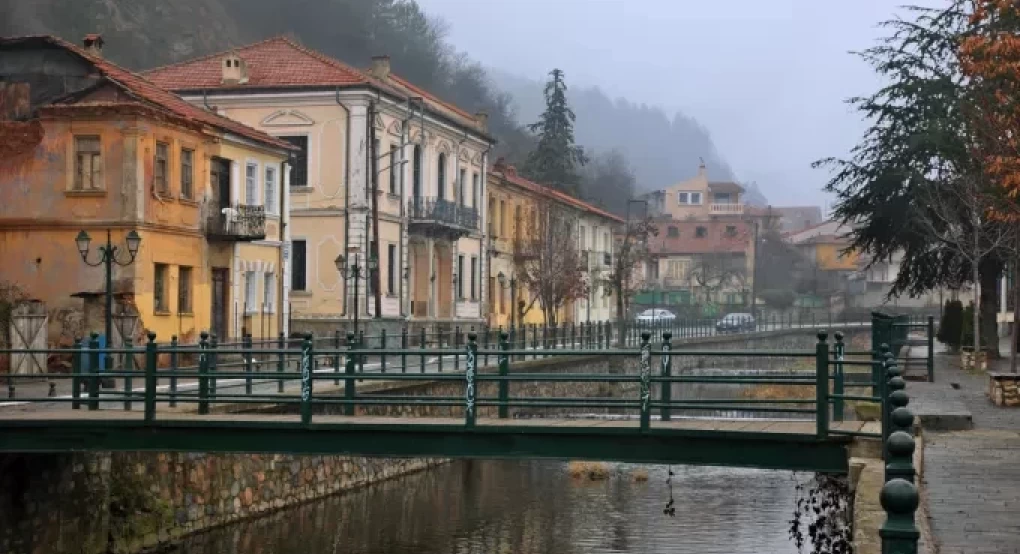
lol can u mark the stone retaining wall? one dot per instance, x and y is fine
(1004, 389)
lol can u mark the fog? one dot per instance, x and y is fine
(768, 78)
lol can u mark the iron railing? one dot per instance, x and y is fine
(445, 212)
(239, 222)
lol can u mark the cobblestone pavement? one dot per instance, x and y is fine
(972, 478)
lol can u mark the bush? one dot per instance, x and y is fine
(967, 330)
(951, 325)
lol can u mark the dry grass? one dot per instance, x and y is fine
(592, 471)
(778, 392)
(639, 475)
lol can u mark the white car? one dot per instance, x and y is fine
(655, 316)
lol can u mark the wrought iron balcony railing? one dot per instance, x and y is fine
(438, 211)
(241, 222)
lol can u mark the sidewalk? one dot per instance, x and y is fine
(971, 479)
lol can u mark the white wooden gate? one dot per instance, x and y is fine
(29, 331)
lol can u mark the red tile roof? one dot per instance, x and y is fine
(509, 173)
(280, 62)
(149, 93)
(716, 239)
(274, 62)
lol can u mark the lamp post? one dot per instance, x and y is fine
(108, 257)
(513, 296)
(350, 269)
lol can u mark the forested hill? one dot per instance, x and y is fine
(146, 33)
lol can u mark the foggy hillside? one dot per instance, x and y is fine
(145, 33)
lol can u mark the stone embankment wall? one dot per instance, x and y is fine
(90, 503)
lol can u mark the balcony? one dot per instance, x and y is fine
(237, 223)
(726, 209)
(440, 218)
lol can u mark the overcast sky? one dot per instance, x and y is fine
(766, 77)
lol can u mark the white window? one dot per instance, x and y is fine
(250, 291)
(688, 198)
(251, 184)
(269, 293)
(270, 189)
(582, 236)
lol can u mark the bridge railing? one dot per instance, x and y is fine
(818, 385)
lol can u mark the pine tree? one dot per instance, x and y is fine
(556, 160)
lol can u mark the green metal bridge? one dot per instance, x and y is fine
(308, 400)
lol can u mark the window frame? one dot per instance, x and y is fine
(185, 290)
(460, 277)
(163, 189)
(294, 265)
(253, 186)
(295, 173)
(250, 293)
(391, 269)
(269, 292)
(160, 278)
(187, 177)
(441, 176)
(474, 278)
(270, 200)
(394, 150)
(78, 176)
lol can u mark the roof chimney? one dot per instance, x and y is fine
(500, 165)
(483, 120)
(235, 70)
(380, 67)
(93, 44)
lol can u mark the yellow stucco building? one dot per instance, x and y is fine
(93, 147)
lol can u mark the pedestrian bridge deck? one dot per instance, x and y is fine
(772, 444)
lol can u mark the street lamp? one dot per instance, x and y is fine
(350, 269)
(513, 295)
(108, 257)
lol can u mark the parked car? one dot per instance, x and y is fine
(735, 323)
(655, 317)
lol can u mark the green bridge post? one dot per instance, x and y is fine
(899, 496)
(439, 345)
(421, 344)
(76, 367)
(361, 357)
(175, 364)
(281, 363)
(246, 344)
(349, 390)
(382, 354)
(667, 372)
(94, 371)
(822, 385)
(307, 355)
(128, 367)
(336, 357)
(837, 383)
(403, 346)
(504, 371)
(894, 383)
(931, 349)
(213, 362)
(646, 374)
(203, 373)
(470, 410)
(151, 358)
(456, 346)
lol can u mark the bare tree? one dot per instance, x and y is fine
(631, 250)
(547, 260)
(958, 215)
(715, 271)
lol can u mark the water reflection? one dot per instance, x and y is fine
(497, 507)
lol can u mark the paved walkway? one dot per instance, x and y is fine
(971, 478)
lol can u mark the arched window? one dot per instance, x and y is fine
(441, 177)
(416, 164)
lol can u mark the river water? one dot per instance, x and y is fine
(531, 507)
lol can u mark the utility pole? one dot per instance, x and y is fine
(374, 244)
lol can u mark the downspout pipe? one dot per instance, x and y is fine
(347, 188)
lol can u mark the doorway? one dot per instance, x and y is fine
(220, 297)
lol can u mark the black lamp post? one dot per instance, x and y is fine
(108, 257)
(351, 269)
(513, 295)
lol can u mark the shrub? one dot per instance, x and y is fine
(950, 330)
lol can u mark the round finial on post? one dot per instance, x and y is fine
(899, 398)
(94, 335)
(823, 336)
(899, 498)
(503, 335)
(839, 336)
(350, 337)
(901, 445)
(151, 336)
(204, 335)
(667, 336)
(902, 419)
(646, 336)
(896, 383)
(472, 336)
(884, 347)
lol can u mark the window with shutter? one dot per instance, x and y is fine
(251, 179)
(160, 173)
(187, 174)
(88, 163)
(270, 186)
(298, 266)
